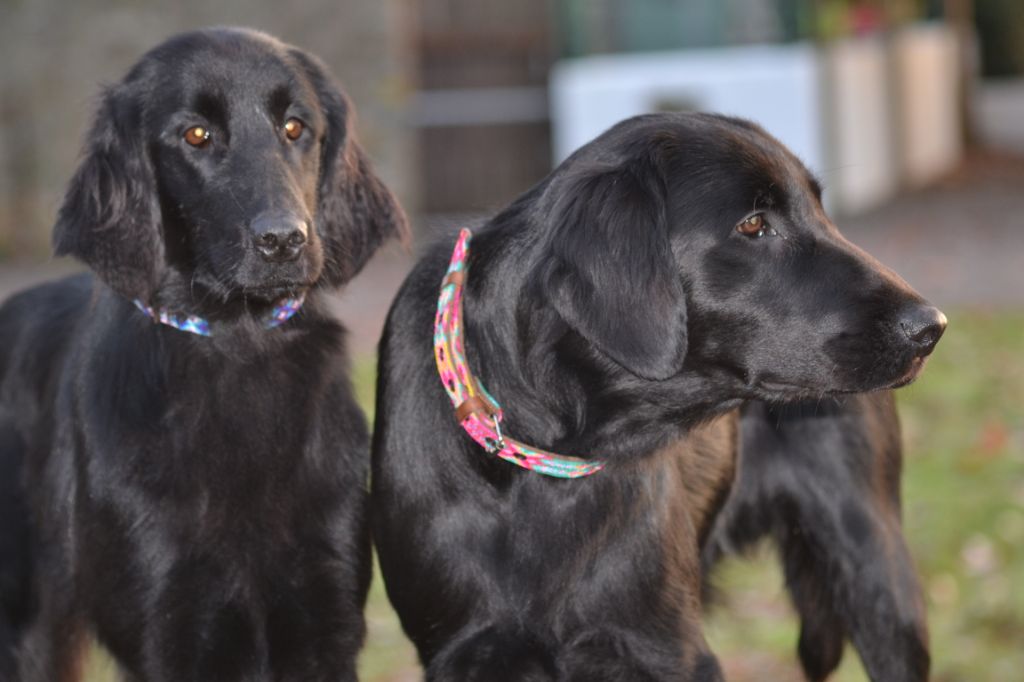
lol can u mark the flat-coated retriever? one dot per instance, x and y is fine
(194, 462)
(606, 329)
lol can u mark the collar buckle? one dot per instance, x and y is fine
(500, 444)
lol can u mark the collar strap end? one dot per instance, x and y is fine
(475, 405)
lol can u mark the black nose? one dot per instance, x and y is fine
(923, 324)
(279, 237)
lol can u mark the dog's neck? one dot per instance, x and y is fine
(282, 311)
(180, 302)
(568, 397)
(476, 410)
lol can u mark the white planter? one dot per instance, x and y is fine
(863, 166)
(930, 122)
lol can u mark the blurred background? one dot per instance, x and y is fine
(911, 111)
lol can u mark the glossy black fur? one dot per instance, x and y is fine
(616, 312)
(196, 504)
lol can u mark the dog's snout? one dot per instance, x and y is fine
(279, 238)
(923, 325)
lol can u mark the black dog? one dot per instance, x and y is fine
(197, 503)
(671, 271)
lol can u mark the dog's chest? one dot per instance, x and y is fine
(706, 466)
(219, 447)
(654, 513)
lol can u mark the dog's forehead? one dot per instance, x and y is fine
(762, 155)
(787, 170)
(712, 148)
(235, 66)
(753, 164)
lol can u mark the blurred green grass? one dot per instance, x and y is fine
(963, 425)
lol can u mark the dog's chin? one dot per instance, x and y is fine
(272, 292)
(916, 366)
(781, 391)
(271, 284)
(274, 289)
(777, 389)
(250, 290)
(905, 375)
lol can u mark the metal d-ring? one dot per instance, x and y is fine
(499, 444)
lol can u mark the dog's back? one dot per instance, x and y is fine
(34, 330)
(14, 543)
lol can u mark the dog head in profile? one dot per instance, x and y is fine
(223, 167)
(699, 241)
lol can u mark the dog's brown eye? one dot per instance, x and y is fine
(752, 226)
(197, 136)
(293, 128)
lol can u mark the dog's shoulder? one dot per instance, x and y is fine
(36, 335)
(35, 319)
(50, 297)
(416, 301)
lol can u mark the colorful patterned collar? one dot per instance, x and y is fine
(282, 312)
(475, 409)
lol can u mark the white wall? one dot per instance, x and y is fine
(776, 86)
(999, 114)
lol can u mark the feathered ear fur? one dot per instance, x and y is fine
(610, 272)
(356, 213)
(110, 217)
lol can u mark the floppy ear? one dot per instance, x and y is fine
(110, 217)
(356, 212)
(611, 274)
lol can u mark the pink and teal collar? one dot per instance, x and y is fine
(282, 312)
(475, 409)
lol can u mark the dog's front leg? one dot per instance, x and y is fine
(848, 571)
(824, 481)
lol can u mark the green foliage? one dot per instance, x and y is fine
(1000, 25)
